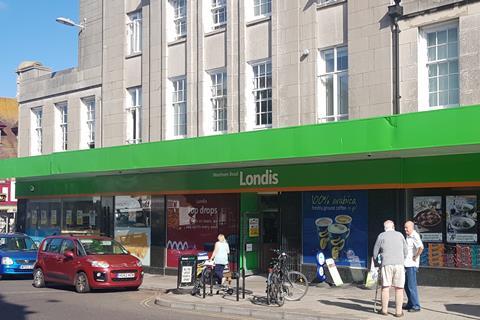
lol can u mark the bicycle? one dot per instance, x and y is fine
(283, 284)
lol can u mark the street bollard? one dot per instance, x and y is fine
(237, 275)
(243, 283)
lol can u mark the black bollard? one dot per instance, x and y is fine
(237, 274)
(243, 283)
(204, 286)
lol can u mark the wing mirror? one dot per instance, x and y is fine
(69, 254)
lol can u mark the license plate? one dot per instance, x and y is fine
(126, 275)
(26, 267)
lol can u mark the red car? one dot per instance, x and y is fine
(87, 262)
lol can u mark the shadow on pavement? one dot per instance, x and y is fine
(465, 309)
(259, 301)
(13, 311)
(345, 305)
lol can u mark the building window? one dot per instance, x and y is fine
(333, 84)
(262, 93)
(219, 13)
(134, 108)
(179, 17)
(179, 103)
(219, 101)
(62, 136)
(441, 66)
(262, 7)
(134, 32)
(89, 123)
(37, 142)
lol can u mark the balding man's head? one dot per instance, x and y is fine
(409, 227)
(389, 225)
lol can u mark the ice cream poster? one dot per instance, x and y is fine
(336, 222)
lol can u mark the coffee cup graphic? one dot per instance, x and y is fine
(346, 220)
(322, 230)
(337, 234)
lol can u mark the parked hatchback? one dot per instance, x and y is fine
(18, 253)
(86, 262)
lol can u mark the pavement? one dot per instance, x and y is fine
(321, 302)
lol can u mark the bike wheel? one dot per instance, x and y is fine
(295, 286)
(278, 291)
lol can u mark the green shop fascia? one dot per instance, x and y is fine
(419, 166)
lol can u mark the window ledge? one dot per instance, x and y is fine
(330, 3)
(133, 55)
(257, 20)
(183, 39)
(216, 31)
(267, 126)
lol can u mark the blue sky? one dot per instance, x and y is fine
(28, 31)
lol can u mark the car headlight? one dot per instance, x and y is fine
(7, 261)
(100, 264)
(139, 263)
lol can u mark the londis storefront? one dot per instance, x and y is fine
(321, 187)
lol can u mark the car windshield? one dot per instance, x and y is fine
(100, 246)
(17, 243)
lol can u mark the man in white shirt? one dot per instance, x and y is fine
(412, 262)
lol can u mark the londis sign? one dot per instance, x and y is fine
(266, 179)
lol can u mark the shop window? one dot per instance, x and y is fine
(133, 225)
(80, 216)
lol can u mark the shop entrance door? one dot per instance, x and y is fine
(270, 237)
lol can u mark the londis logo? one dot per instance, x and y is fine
(268, 178)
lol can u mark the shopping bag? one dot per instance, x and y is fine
(372, 276)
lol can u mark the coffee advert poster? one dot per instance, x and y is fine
(427, 216)
(336, 222)
(461, 219)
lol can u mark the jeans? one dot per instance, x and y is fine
(411, 288)
(219, 273)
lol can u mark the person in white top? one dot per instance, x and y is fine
(220, 257)
(412, 262)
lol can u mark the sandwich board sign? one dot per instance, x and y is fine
(332, 269)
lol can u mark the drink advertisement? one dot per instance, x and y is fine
(461, 219)
(427, 216)
(194, 222)
(336, 222)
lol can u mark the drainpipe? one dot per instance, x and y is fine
(395, 11)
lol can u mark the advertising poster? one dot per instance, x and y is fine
(253, 227)
(427, 216)
(336, 222)
(194, 222)
(43, 217)
(68, 217)
(53, 217)
(461, 219)
(132, 225)
(79, 217)
(34, 217)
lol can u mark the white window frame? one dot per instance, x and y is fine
(335, 75)
(179, 107)
(179, 18)
(134, 32)
(62, 125)
(219, 13)
(88, 127)
(134, 115)
(423, 67)
(36, 131)
(259, 90)
(218, 100)
(260, 5)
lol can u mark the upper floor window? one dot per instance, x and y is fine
(62, 121)
(219, 101)
(88, 126)
(179, 104)
(179, 8)
(439, 74)
(36, 134)
(262, 93)
(219, 13)
(133, 108)
(134, 32)
(262, 7)
(332, 81)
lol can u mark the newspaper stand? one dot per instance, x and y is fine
(187, 269)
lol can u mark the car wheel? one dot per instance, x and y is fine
(38, 278)
(81, 283)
